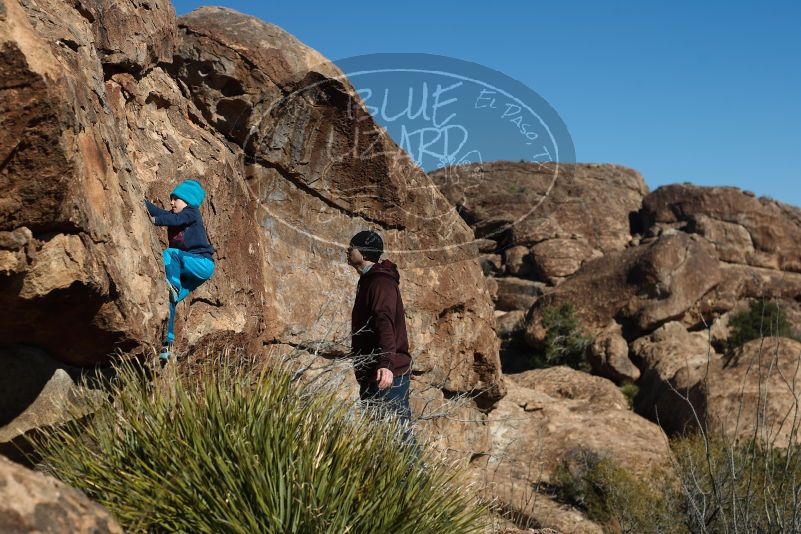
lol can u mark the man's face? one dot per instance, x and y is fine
(177, 204)
(354, 256)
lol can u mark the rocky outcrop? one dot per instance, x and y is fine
(584, 208)
(38, 391)
(749, 393)
(32, 502)
(753, 394)
(538, 224)
(743, 229)
(675, 365)
(548, 218)
(545, 414)
(107, 104)
(640, 288)
(753, 237)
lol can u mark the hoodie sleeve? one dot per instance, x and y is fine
(168, 218)
(383, 302)
(154, 210)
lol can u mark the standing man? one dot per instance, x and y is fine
(378, 328)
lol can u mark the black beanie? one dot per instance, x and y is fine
(369, 244)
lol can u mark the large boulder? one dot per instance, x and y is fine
(33, 502)
(549, 412)
(640, 288)
(310, 192)
(743, 229)
(38, 391)
(106, 104)
(687, 385)
(559, 215)
(754, 395)
(674, 364)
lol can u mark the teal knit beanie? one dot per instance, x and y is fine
(191, 192)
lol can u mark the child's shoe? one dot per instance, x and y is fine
(165, 354)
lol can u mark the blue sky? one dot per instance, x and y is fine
(702, 92)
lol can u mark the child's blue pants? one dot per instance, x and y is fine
(186, 272)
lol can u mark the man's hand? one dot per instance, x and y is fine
(384, 378)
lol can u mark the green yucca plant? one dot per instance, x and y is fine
(225, 451)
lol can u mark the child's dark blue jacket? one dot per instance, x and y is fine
(185, 231)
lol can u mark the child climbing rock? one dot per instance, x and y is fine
(188, 260)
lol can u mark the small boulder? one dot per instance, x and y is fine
(517, 293)
(609, 357)
(33, 502)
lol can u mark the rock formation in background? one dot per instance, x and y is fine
(657, 277)
(546, 220)
(754, 238)
(538, 225)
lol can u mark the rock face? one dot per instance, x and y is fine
(545, 414)
(32, 502)
(641, 287)
(554, 217)
(109, 103)
(540, 223)
(754, 392)
(742, 228)
(675, 363)
(38, 391)
(74, 237)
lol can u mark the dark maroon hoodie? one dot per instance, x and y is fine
(378, 310)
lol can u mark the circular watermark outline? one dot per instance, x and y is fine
(353, 69)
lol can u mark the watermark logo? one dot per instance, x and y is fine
(344, 150)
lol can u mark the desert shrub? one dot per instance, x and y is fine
(739, 487)
(565, 342)
(716, 485)
(630, 391)
(619, 501)
(762, 318)
(228, 452)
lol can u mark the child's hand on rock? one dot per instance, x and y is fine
(152, 218)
